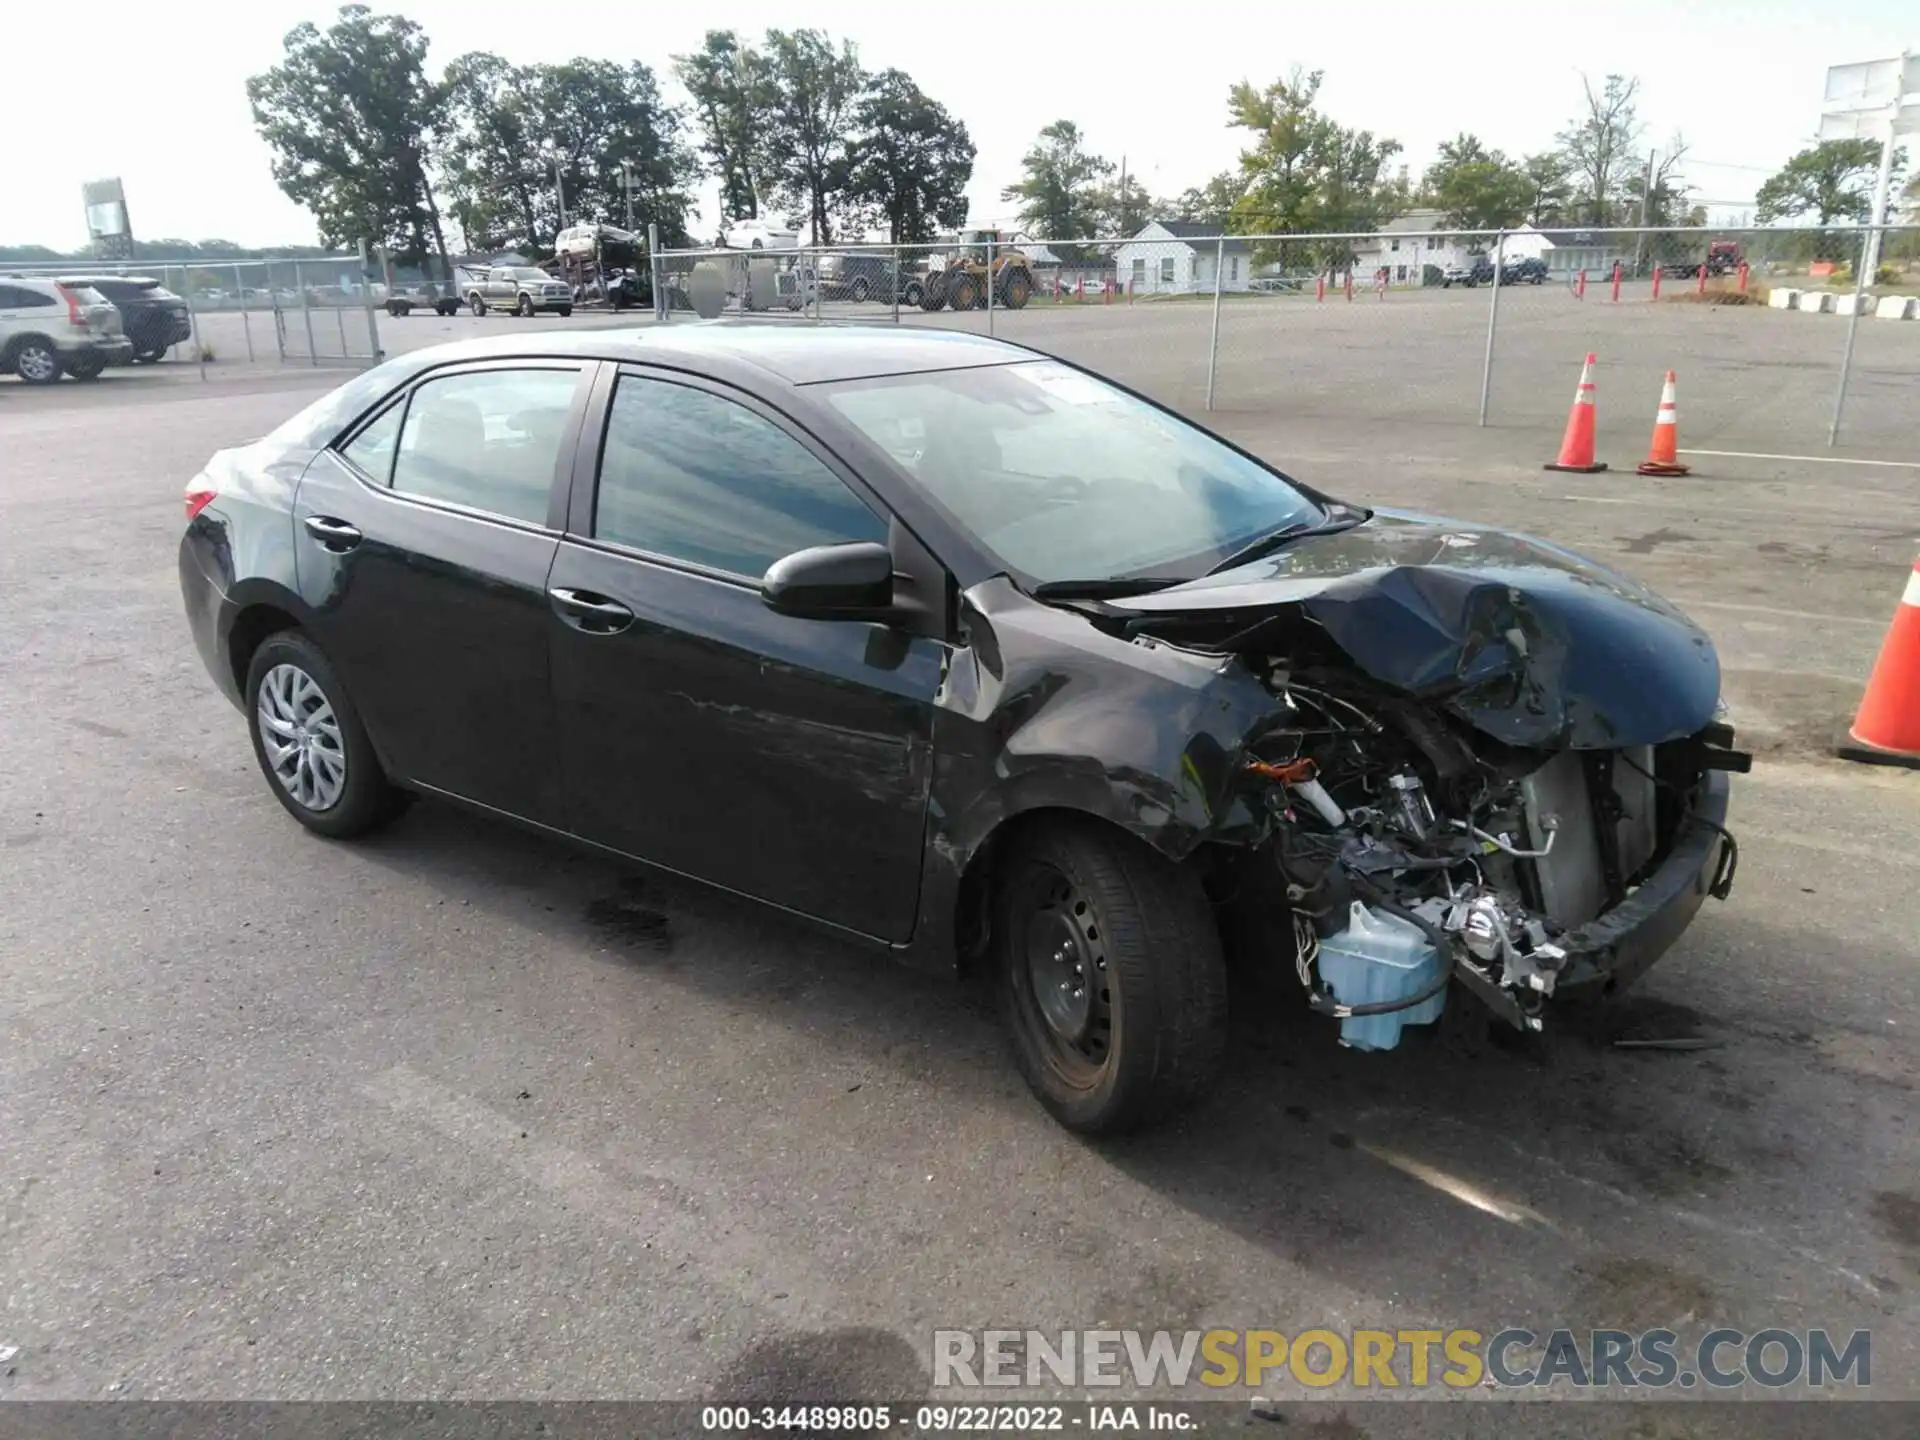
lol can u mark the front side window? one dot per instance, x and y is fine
(697, 477)
(488, 439)
(1065, 478)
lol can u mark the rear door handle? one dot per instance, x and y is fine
(335, 535)
(591, 613)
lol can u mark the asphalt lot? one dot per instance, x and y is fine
(458, 1114)
(1751, 379)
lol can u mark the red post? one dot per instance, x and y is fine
(1700, 287)
(1349, 283)
(1743, 277)
(1616, 282)
(1580, 287)
(1080, 288)
(1320, 286)
(1656, 282)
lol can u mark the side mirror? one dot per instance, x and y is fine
(832, 582)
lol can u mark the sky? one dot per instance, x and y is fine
(1741, 79)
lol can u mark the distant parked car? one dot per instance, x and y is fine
(49, 328)
(1462, 274)
(152, 317)
(523, 289)
(1525, 272)
(855, 277)
(758, 235)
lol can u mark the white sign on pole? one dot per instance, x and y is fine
(1869, 124)
(1867, 85)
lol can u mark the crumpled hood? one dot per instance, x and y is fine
(1529, 643)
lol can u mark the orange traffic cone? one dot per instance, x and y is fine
(1576, 446)
(1663, 456)
(1887, 729)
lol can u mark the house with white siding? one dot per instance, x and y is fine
(1406, 254)
(1177, 257)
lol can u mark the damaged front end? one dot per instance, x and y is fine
(1490, 762)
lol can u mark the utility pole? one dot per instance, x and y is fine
(626, 184)
(559, 194)
(1646, 192)
(1121, 218)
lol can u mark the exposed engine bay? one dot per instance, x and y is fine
(1414, 850)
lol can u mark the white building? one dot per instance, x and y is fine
(1406, 254)
(1177, 257)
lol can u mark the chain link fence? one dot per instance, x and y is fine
(241, 312)
(1776, 348)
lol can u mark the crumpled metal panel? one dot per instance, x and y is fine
(1527, 642)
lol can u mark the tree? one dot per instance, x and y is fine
(589, 121)
(1831, 181)
(911, 160)
(1598, 145)
(813, 91)
(1304, 172)
(1549, 193)
(1477, 188)
(1124, 207)
(732, 94)
(351, 119)
(502, 187)
(1062, 186)
(1211, 203)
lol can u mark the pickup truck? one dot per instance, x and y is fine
(520, 288)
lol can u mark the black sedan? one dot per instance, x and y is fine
(966, 652)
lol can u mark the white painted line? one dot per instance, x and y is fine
(1813, 615)
(1810, 459)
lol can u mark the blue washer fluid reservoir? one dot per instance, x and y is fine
(1380, 958)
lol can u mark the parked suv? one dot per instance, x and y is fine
(48, 328)
(523, 289)
(152, 317)
(855, 277)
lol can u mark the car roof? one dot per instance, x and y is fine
(797, 353)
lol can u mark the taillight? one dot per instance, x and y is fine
(74, 314)
(198, 500)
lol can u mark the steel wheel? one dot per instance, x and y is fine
(36, 363)
(301, 736)
(1064, 981)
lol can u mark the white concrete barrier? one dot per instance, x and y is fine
(1816, 302)
(1896, 307)
(1846, 304)
(1782, 299)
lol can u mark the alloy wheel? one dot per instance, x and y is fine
(37, 364)
(301, 737)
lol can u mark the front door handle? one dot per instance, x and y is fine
(335, 535)
(591, 613)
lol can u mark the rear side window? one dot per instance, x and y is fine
(697, 477)
(372, 450)
(19, 297)
(489, 440)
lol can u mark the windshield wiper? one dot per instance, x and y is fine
(1338, 518)
(1114, 587)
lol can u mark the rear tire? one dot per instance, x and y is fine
(338, 789)
(565, 311)
(1110, 975)
(859, 291)
(1017, 291)
(87, 369)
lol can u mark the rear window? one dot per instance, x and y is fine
(87, 295)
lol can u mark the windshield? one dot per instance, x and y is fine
(1064, 478)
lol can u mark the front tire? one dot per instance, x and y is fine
(565, 311)
(310, 743)
(1111, 977)
(477, 306)
(524, 309)
(37, 362)
(858, 294)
